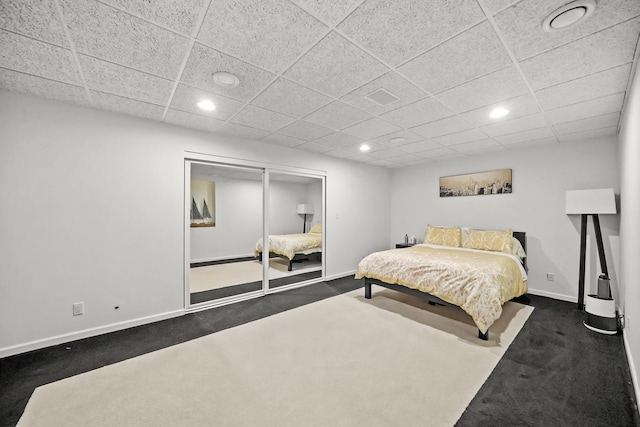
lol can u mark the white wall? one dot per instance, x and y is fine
(284, 198)
(238, 222)
(91, 210)
(541, 176)
(314, 196)
(630, 226)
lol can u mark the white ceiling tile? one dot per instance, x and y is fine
(444, 126)
(335, 66)
(25, 83)
(405, 158)
(420, 112)
(471, 54)
(30, 56)
(605, 49)
(420, 146)
(406, 135)
(495, 6)
(390, 82)
(290, 98)
(36, 19)
(594, 86)
(387, 153)
(372, 147)
(445, 157)
(591, 123)
(338, 140)
(284, 140)
(204, 61)
(305, 130)
(460, 137)
(337, 115)
(477, 147)
(519, 124)
(106, 77)
(439, 152)
(588, 134)
(529, 135)
(313, 147)
(186, 98)
(193, 121)
(582, 110)
(495, 87)
(270, 34)
(372, 128)
(521, 24)
(119, 104)
(532, 143)
(341, 153)
(396, 31)
(261, 119)
(241, 131)
(180, 16)
(330, 11)
(523, 105)
(107, 33)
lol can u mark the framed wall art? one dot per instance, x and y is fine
(476, 184)
(203, 203)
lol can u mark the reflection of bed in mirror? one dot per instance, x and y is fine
(294, 247)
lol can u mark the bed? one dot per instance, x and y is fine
(293, 247)
(476, 270)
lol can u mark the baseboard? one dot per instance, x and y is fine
(632, 367)
(553, 295)
(223, 258)
(339, 275)
(73, 336)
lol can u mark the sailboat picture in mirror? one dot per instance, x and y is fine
(203, 213)
(223, 259)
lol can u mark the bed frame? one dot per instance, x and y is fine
(432, 299)
(296, 257)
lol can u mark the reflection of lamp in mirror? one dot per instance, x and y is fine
(305, 209)
(601, 316)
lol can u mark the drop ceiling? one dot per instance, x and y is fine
(414, 79)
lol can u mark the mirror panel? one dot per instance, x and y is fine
(224, 232)
(295, 229)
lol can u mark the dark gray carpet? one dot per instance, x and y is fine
(556, 373)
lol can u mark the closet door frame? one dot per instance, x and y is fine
(266, 168)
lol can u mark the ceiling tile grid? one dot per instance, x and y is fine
(310, 71)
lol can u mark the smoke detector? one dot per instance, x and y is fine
(568, 15)
(228, 80)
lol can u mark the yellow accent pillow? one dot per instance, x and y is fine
(316, 229)
(490, 240)
(444, 236)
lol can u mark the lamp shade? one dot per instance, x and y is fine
(596, 201)
(305, 208)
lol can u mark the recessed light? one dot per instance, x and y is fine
(222, 78)
(206, 105)
(568, 15)
(365, 147)
(498, 112)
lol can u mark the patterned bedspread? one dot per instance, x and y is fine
(477, 281)
(290, 244)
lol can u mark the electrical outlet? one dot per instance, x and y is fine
(78, 308)
(551, 277)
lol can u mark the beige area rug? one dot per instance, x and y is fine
(235, 273)
(344, 361)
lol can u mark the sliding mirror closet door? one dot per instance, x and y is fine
(226, 224)
(295, 229)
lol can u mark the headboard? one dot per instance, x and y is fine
(522, 238)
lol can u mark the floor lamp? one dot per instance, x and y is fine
(601, 316)
(305, 209)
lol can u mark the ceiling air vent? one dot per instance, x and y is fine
(382, 97)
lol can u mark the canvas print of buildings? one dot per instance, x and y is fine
(475, 184)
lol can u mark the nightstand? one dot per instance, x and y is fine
(403, 245)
